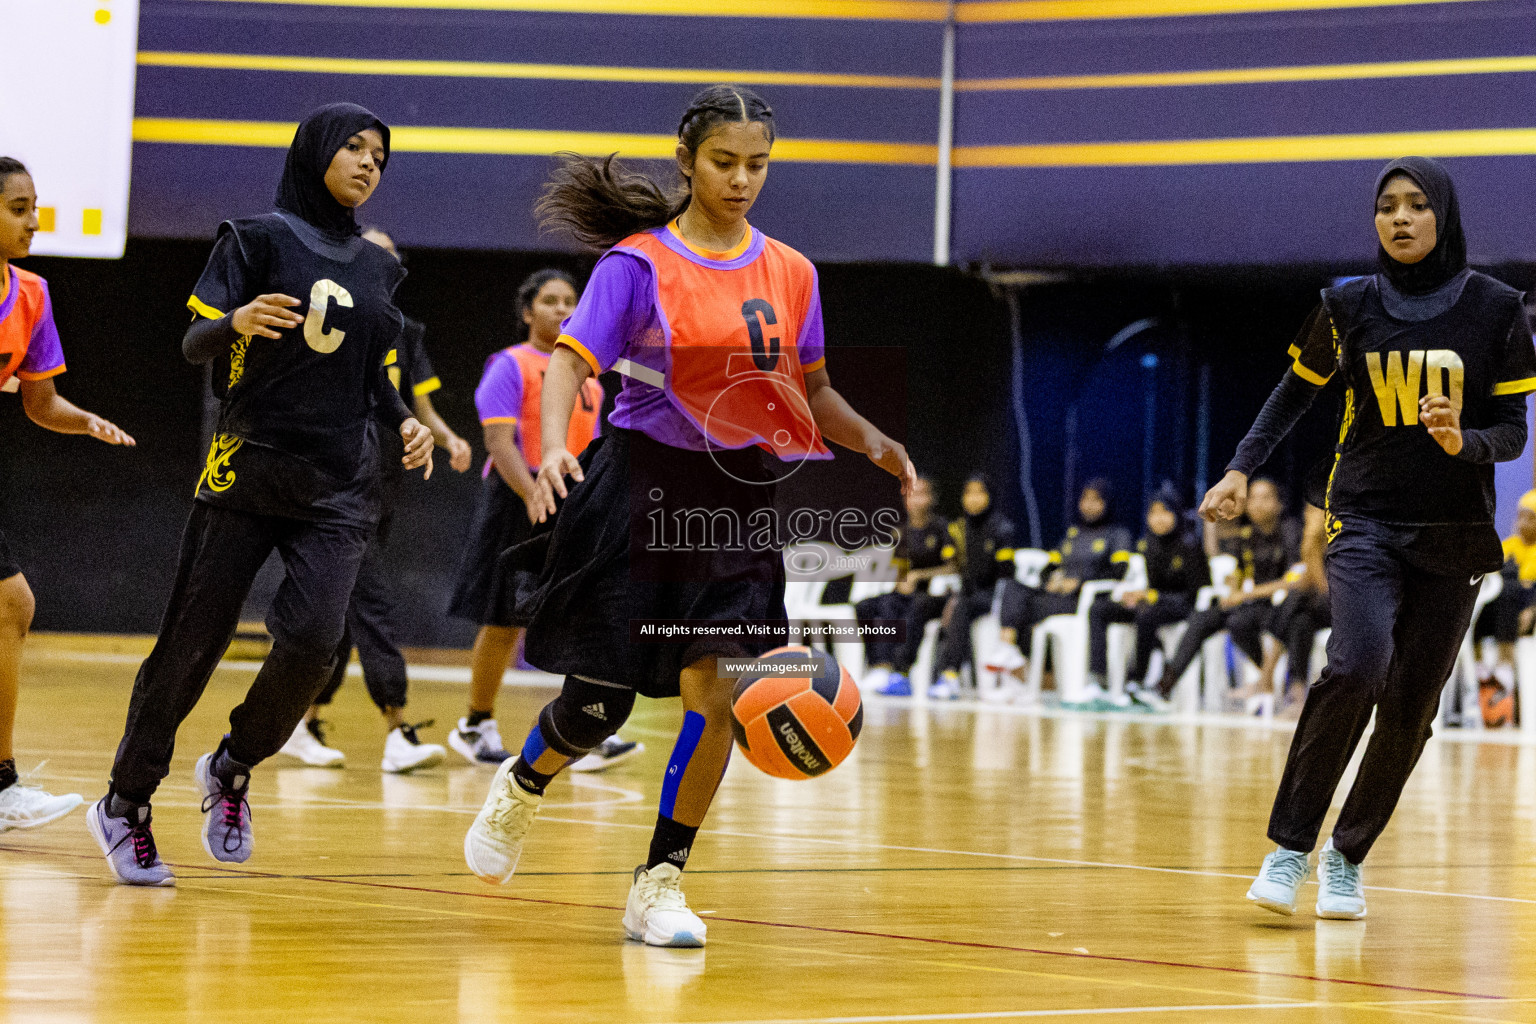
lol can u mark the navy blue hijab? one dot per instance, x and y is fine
(1449, 256)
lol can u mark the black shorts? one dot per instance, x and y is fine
(501, 521)
(581, 580)
(8, 565)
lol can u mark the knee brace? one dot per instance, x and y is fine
(585, 714)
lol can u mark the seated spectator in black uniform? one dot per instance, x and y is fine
(919, 557)
(1094, 548)
(1176, 570)
(981, 547)
(1509, 616)
(1296, 622)
(1266, 547)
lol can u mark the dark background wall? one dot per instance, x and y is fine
(926, 353)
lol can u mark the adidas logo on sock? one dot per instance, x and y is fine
(681, 856)
(596, 711)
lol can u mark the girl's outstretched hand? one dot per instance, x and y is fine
(892, 458)
(1227, 499)
(418, 446)
(551, 481)
(264, 315)
(106, 430)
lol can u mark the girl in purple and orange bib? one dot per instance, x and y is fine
(717, 329)
(30, 357)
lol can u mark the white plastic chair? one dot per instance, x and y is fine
(1067, 636)
(1208, 689)
(922, 666)
(1525, 680)
(1461, 689)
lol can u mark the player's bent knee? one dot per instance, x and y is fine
(585, 714)
(17, 606)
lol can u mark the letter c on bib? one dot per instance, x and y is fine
(316, 335)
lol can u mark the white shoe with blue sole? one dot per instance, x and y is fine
(1340, 892)
(1279, 879)
(656, 912)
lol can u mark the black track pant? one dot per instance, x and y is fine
(955, 641)
(917, 609)
(1245, 624)
(1396, 634)
(371, 628)
(221, 552)
(1501, 619)
(1295, 624)
(1148, 619)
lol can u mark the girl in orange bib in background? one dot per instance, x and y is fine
(717, 329)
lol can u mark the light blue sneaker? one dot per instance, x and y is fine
(129, 845)
(1340, 893)
(1279, 878)
(898, 685)
(227, 832)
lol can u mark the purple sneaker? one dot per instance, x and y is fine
(129, 846)
(226, 813)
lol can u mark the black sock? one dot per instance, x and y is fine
(671, 843)
(119, 806)
(232, 773)
(8, 776)
(476, 717)
(534, 782)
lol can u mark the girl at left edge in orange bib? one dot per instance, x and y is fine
(717, 330)
(30, 357)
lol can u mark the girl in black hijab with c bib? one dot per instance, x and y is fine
(1436, 360)
(296, 311)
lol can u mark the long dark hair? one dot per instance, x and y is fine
(529, 290)
(9, 165)
(600, 202)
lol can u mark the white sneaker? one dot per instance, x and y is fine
(495, 841)
(307, 744)
(1340, 892)
(1149, 698)
(613, 750)
(656, 912)
(1282, 874)
(946, 687)
(1006, 658)
(875, 678)
(404, 752)
(478, 744)
(29, 807)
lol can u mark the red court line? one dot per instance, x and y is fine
(960, 943)
(927, 939)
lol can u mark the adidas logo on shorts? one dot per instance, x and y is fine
(596, 711)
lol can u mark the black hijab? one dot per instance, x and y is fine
(302, 190)
(1101, 486)
(1449, 256)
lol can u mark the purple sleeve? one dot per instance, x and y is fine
(813, 336)
(45, 356)
(614, 307)
(499, 397)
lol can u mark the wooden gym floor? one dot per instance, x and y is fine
(965, 865)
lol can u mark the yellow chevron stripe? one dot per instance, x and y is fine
(875, 10)
(1261, 150)
(1250, 76)
(1093, 10)
(521, 141)
(496, 69)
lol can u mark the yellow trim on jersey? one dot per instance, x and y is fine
(1005, 554)
(581, 350)
(718, 256)
(1150, 596)
(497, 419)
(41, 374)
(813, 367)
(504, 69)
(1515, 387)
(426, 387)
(1308, 376)
(1054, 558)
(1119, 556)
(202, 308)
(392, 358)
(947, 552)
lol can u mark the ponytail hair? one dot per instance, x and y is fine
(601, 202)
(9, 165)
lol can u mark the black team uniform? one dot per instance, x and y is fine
(294, 466)
(1410, 529)
(1176, 570)
(370, 624)
(916, 548)
(982, 549)
(1089, 551)
(1261, 558)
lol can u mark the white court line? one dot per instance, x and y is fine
(1100, 1011)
